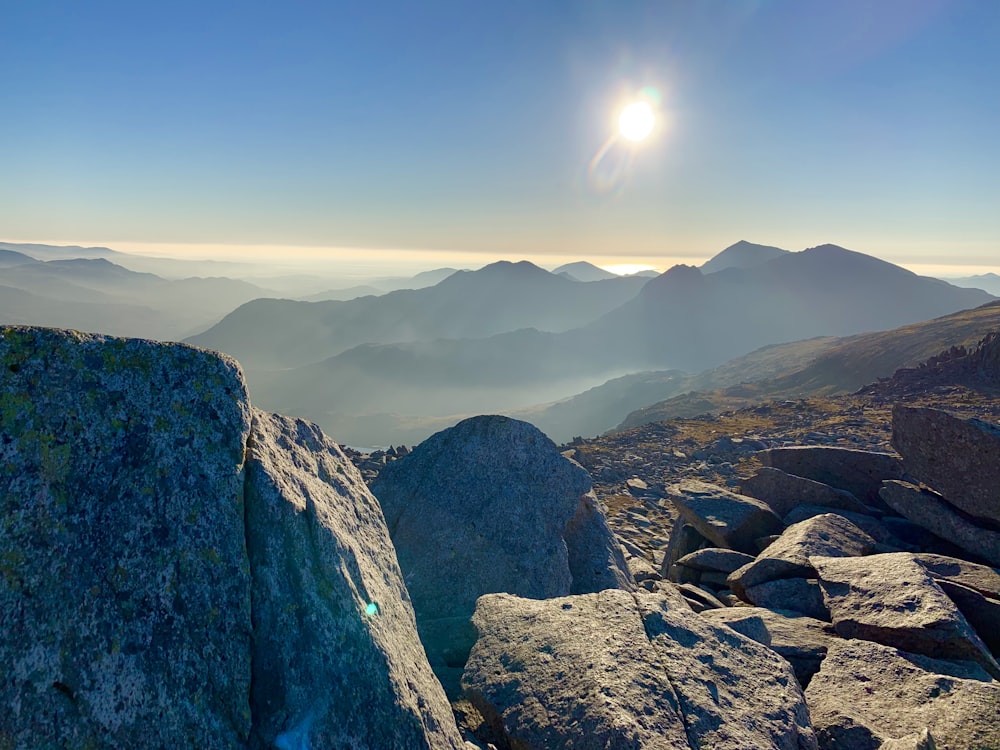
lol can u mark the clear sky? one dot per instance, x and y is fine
(462, 131)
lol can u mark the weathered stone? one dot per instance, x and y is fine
(124, 580)
(723, 517)
(958, 458)
(892, 599)
(826, 535)
(716, 558)
(930, 511)
(801, 641)
(698, 598)
(336, 657)
(981, 578)
(491, 489)
(624, 670)
(858, 472)
(802, 595)
(784, 492)
(865, 694)
(873, 527)
(982, 613)
(684, 539)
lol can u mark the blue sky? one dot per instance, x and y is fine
(463, 130)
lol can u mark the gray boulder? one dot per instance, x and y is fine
(177, 575)
(801, 595)
(930, 511)
(959, 458)
(715, 558)
(124, 581)
(859, 472)
(684, 539)
(622, 670)
(789, 556)
(893, 600)
(725, 518)
(873, 527)
(490, 505)
(338, 664)
(865, 694)
(981, 578)
(923, 740)
(784, 492)
(801, 641)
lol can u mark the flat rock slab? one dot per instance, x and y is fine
(124, 580)
(865, 694)
(959, 458)
(858, 472)
(828, 535)
(802, 595)
(893, 600)
(801, 641)
(337, 661)
(981, 578)
(784, 492)
(931, 512)
(872, 526)
(716, 558)
(490, 505)
(622, 670)
(725, 518)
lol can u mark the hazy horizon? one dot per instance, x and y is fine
(363, 263)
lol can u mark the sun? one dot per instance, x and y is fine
(636, 121)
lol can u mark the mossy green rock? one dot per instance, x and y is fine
(124, 579)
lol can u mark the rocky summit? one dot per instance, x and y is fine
(181, 569)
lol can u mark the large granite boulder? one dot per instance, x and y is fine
(859, 472)
(622, 670)
(802, 641)
(491, 505)
(865, 694)
(959, 458)
(726, 518)
(336, 659)
(929, 510)
(783, 492)
(789, 556)
(893, 600)
(177, 571)
(124, 580)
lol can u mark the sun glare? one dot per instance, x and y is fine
(636, 121)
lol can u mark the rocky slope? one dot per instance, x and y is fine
(179, 568)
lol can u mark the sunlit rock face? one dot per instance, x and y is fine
(490, 505)
(337, 661)
(179, 570)
(124, 579)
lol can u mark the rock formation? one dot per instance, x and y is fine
(177, 570)
(488, 506)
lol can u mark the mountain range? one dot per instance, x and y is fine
(402, 363)
(411, 355)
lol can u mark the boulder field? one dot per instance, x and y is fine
(181, 569)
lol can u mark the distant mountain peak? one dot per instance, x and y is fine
(742, 254)
(581, 270)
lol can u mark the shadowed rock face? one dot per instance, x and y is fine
(490, 505)
(959, 458)
(157, 591)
